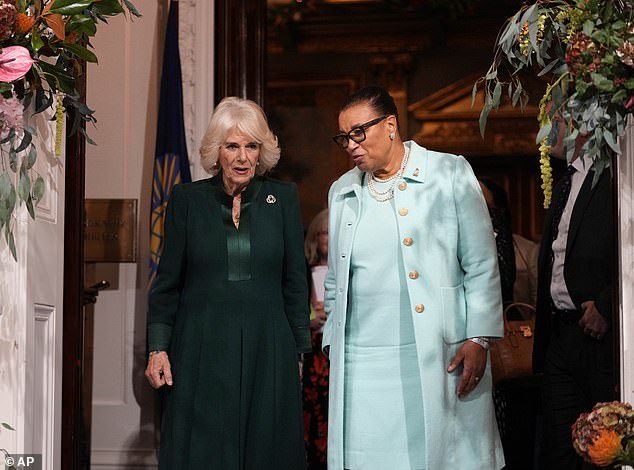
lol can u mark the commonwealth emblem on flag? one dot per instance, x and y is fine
(171, 165)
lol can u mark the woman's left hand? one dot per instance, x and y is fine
(474, 360)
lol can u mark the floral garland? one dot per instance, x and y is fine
(586, 50)
(43, 44)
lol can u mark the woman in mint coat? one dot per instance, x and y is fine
(413, 297)
(228, 314)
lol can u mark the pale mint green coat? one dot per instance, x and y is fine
(458, 287)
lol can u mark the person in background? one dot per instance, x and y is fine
(315, 377)
(498, 205)
(516, 400)
(228, 315)
(517, 255)
(412, 296)
(574, 335)
(526, 256)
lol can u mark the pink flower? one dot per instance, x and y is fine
(15, 62)
(11, 116)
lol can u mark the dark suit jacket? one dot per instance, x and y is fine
(588, 264)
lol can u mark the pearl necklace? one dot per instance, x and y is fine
(383, 196)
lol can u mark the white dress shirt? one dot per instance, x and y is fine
(558, 290)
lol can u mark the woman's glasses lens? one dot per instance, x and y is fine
(357, 134)
(341, 140)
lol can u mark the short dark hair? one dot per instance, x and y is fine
(500, 198)
(376, 96)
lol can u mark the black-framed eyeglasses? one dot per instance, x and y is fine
(356, 134)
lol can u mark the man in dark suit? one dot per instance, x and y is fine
(573, 331)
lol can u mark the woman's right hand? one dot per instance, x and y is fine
(320, 316)
(158, 371)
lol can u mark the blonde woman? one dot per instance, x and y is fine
(228, 315)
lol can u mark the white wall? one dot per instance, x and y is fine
(124, 90)
(13, 319)
(31, 298)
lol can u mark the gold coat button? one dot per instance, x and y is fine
(413, 275)
(407, 241)
(402, 185)
(419, 308)
(403, 211)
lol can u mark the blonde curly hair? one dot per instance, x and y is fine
(246, 117)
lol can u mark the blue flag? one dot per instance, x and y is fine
(171, 165)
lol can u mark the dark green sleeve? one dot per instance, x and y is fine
(165, 294)
(295, 285)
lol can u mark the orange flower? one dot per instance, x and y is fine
(605, 448)
(524, 32)
(24, 23)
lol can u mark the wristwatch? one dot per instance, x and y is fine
(481, 341)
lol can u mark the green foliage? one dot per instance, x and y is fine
(57, 35)
(585, 50)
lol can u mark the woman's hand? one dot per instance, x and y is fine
(158, 371)
(320, 316)
(474, 360)
(301, 366)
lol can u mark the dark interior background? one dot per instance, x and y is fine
(429, 59)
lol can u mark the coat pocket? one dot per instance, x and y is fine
(454, 313)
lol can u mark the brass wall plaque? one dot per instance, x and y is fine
(110, 230)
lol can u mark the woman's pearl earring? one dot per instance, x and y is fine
(392, 135)
(258, 163)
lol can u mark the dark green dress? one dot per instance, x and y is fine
(229, 306)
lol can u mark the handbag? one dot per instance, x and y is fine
(512, 356)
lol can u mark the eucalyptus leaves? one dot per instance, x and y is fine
(585, 50)
(19, 154)
(43, 44)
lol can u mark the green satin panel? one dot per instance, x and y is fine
(239, 239)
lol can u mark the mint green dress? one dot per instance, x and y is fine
(383, 402)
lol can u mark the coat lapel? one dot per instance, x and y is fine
(416, 168)
(352, 182)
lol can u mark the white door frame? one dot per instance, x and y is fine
(625, 232)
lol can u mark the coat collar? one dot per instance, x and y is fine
(416, 169)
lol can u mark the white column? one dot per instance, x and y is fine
(625, 231)
(196, 45)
